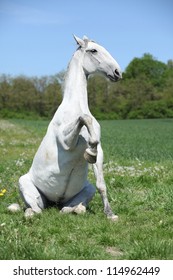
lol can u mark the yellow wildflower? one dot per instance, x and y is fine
(2, 192)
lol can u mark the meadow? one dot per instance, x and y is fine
(138, 168)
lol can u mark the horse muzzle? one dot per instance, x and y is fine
(117, 75)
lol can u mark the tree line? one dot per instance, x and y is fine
(146, 91)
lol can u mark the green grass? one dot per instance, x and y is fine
(138, 171)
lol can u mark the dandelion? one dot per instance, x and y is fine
(2, 192)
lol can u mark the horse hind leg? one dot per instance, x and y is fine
(33, 199)
(79, 202)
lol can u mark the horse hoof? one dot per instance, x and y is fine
(66, 210)
(29, 213)
(90, 157)
(14, 207)
(80, 209)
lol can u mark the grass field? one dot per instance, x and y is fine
(138, 171)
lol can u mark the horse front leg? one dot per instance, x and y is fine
(70, 134)
(90, 154)
(101, 186)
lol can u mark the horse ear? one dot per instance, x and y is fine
(79, 41)
(85, 38)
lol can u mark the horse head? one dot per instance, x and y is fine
(96, 59)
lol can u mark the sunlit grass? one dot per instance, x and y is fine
(138, 169)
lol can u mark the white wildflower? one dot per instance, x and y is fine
(19, 162)
(1, 142)
(136, 170)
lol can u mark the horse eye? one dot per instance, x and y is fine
(93, 51)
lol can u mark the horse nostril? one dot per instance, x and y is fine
(117, 73)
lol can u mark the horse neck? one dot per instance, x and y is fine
(75, 87)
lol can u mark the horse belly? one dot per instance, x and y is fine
(59, 175)
(61, 186)
(76, 181)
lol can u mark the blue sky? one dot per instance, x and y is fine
(36, 35)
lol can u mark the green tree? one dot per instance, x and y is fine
(5, 91)
(146, 91)
(153, 70)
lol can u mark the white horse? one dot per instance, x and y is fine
(59, 170)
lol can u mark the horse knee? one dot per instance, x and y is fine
(88, 122)
(22, 182)
(30, 194)
(22, 185)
